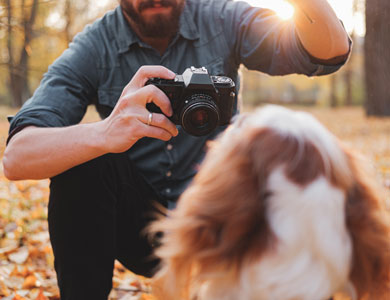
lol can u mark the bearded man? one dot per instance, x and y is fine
(105, 176)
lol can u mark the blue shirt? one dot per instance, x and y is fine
(217, 34)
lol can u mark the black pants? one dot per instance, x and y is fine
(97, 212)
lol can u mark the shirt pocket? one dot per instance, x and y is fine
(109, 96)
(107, 99)
(215, 67)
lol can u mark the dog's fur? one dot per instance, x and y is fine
(279, 210)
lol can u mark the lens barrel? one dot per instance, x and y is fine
(200, 115)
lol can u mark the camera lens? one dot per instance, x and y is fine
(200, 115)
(199, 118)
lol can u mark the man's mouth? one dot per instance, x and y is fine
(155, 5)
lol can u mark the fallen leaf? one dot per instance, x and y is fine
(29, 282)
(20, 256)
(9, 248)
(4, 291)
(18, 297)
(136, 284)
(41, 296)
(14, 282)
(15, 271)
(25, 272)
(131, 297)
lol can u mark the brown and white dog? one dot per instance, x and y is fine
(280, 210)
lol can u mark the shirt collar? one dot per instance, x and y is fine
(187, 27)
(127, 37)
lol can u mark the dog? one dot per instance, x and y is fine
(279, 210)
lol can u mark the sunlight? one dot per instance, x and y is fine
(55, 20)
(282, 8)
(343, 10)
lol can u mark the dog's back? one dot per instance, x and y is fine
(312, 254)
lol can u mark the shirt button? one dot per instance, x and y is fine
(169, 147)
(168, 174)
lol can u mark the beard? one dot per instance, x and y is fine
(160, 25)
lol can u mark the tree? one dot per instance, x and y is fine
(18, 66)
(377, 57)
(349, 72)
(76, 16)
(29, 43)
(333, 90)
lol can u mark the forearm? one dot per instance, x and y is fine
(319, 29)
(38, 153)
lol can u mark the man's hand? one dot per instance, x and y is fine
(129, 120)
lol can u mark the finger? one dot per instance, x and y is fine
(151, 93)
(146, 72)
(161, 121)
(156, 133)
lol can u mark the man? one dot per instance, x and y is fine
(106, 175)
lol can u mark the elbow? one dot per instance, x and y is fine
(340, 48)
(9, 167)
(343, 47)
(340, 44)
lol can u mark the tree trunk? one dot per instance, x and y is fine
(333, 90)
(26, 50)
(68, 15)
(18, 72)
(377, 57)
(12, 81)
(348, 76)
(349, 68)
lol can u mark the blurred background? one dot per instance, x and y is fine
(34, 32)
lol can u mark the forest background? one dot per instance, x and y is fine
(353, 103)
(35, 32)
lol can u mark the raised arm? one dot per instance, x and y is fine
(319, 29)
(262, 41)
(37, 153)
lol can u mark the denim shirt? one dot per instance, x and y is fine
(217, 34)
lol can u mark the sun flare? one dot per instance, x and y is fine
(343, 11)
(282, 8)
(285, 11)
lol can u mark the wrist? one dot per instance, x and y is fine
(96, 137)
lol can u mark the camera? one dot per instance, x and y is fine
(200, 102)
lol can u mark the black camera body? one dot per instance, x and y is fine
(200, 102)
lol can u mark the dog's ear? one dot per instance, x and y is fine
(219, 224)
(369, 226)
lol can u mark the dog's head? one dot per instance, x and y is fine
(280, 209)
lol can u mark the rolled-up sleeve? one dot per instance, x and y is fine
(65, 91)
(264, 42)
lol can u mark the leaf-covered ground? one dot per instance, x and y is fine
(26, 259)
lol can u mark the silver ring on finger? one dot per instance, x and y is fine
(150, 119)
